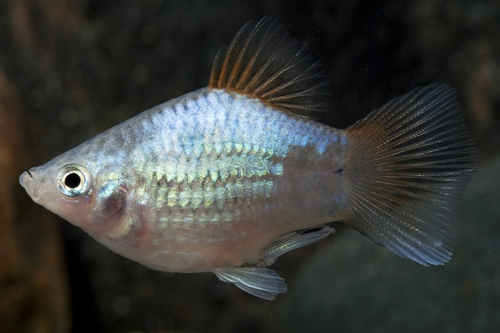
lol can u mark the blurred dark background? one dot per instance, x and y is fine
(71, 69)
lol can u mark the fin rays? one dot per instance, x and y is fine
(263, 282)
(264, 62)
(258, 281)
(408, 164)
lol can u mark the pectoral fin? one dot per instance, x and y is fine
(258, 281)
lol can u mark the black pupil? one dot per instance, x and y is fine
(72, 180)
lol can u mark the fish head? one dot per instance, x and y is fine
(90, 197)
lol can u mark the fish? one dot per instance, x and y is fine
(228, 178)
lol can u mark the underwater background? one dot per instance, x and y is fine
(71, 69)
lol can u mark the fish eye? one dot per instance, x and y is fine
(73, 180)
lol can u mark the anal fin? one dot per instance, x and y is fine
(292, 241)
(264, 282)
(258, 281)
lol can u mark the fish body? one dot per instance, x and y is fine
(201, 174)
(228, 178)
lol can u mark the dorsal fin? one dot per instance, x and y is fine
(265, 62)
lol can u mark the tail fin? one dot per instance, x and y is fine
(407, 166)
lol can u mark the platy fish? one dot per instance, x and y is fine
(228, 178)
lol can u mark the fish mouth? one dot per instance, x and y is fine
(25, 178)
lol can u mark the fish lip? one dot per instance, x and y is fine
(24, 180)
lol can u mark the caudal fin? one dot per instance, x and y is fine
(407, 166)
